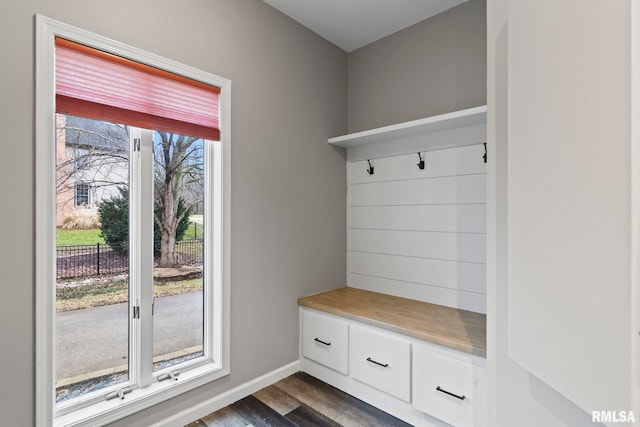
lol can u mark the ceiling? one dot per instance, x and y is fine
(351, 24)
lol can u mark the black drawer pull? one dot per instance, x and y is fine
(450, 394)
(322, 342)
(384, 365)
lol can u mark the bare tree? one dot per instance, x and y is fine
(95, 152)
(179, 175)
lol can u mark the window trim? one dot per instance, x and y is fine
(108, 411)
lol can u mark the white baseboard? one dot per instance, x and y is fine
(214, 403)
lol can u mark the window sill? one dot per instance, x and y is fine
(108, 411)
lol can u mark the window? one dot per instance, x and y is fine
(82, 194)
(82, 158)
(158, 157)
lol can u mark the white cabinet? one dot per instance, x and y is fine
(417, 381)
(449, 388)
(325, 339)
(416, 256)
(381, 360)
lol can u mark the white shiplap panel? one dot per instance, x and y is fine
(454, 218)
(454, 275)
(471, 301)
(442, 190)
(452, 161)
(420, 233)
(436, 245)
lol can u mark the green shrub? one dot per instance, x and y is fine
(114, 218)
(114, 221)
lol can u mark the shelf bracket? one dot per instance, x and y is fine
(370, 170)
(484, 157)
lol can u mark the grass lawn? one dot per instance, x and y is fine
(193, 232)
(113, 293)
(91, 237)
(77, 237)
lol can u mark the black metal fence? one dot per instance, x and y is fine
(76, 261)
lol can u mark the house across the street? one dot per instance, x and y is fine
(92, 163)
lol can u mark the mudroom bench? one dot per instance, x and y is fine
(423, 363)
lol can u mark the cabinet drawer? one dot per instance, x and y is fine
(325, 340)
(382, 361)
(446, 388)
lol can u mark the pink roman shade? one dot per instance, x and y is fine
(98, 85)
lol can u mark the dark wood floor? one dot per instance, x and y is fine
(299, 400)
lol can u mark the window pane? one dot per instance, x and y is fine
(179, 248)
(82, 195)
(92, 286)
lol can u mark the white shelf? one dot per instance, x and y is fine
(442, 122)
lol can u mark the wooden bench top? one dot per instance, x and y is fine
(450, 327)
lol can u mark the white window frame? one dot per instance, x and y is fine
(217, 344)
(76, 187)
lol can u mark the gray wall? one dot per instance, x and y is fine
(433, 67)
(571, 120)
(288, 184)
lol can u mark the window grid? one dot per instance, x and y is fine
(82, 195)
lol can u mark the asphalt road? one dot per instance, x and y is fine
(93, 339)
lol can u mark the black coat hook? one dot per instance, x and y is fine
(484, 157)
(421, 163)
(370, 170)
